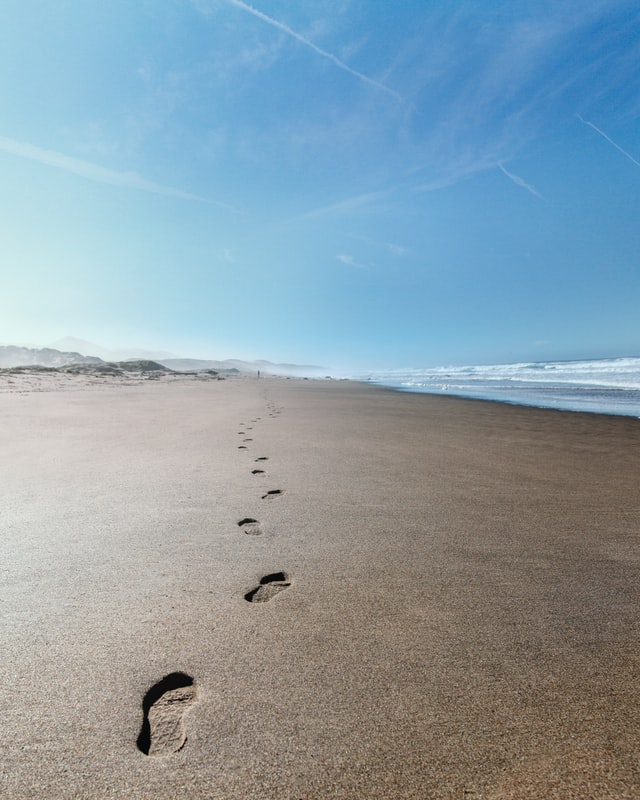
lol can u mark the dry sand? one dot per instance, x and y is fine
(442, 601)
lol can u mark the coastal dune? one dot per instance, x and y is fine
(316, 589)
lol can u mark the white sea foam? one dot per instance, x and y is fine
(610, 386)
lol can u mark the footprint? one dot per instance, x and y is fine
(241, 447)
(262, 458)
(268, 587)
(257, 472)
(164, 705)
(250, 526)
(272, 493)
(247, 440)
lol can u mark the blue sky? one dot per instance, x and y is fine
(352, 183)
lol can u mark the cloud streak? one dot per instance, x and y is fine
(520, 182)
(394, 249)
(609, 139)
(324, 53)
(350, 261)
(94, 172)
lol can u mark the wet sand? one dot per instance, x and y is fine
(297, 589)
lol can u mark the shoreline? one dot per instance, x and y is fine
(450, 600)
(565, 406)
(28, 379)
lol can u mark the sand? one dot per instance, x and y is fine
(296, 589)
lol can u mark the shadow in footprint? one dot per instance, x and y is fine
(247, 440)
(257, 472)
(268, 587)
(272, 493)
(164, 706)
(241, 447)
(262, 458)
(250, 526)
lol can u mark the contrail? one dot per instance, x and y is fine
(351, 204)
(604, 136)
(290, 32)
(94, 172)
(520, 182)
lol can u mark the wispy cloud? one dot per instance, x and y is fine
(94, 172)
(608, 139)
(350, 261)
(324, 53)
(487, 89)
(394, 249)
(520, 182)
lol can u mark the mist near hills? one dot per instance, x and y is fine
(74, 345)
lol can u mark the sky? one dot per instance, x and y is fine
(358, 184)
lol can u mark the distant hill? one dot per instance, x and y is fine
(146, 368)
(12, 356)
(237, 365)
(194, 364)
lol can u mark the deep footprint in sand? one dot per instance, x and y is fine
(164, 706)
(268, 587)
(241, 447)
(257, 472)
(262, 458)
(250, 526)
(273, 493)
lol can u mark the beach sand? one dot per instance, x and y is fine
(417, 596)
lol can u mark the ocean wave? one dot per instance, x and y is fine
(604, 385)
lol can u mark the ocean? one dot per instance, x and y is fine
(601, 386)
